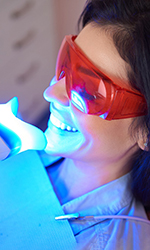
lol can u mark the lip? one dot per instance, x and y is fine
(62, 114)
(54, 122)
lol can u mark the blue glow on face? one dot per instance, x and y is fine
(78, 102)
(17, 134)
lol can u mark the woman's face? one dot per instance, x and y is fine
(84, 137)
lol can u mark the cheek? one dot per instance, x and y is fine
(118, 135)
(90, 126)
(113, 133)
(81, 119)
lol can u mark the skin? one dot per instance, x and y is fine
(101, 150)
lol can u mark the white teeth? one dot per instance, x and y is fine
(62, 126)
(57, 123)
(74, 129)
(69, 128)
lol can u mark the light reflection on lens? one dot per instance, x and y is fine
(78, 102)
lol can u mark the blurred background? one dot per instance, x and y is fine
(31, 32)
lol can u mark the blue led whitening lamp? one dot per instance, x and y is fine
(19, 135)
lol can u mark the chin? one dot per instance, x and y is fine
(64, 144)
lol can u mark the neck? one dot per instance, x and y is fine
(74, 178)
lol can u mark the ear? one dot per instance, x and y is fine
(142, 140)
(143, 145)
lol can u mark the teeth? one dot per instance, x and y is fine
(62, 126)
(74, 129)
(57, 123)
(69, 128)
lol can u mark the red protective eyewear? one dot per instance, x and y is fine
(91, 91)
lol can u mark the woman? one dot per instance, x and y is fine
(100, 124)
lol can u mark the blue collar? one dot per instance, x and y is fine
(108, 199)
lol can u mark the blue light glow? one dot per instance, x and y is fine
(17, 134)
(103, 116)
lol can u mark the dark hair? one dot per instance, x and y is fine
(129, 23)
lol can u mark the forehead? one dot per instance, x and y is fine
(98, 46)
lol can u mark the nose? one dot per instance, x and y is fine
(56, 92)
